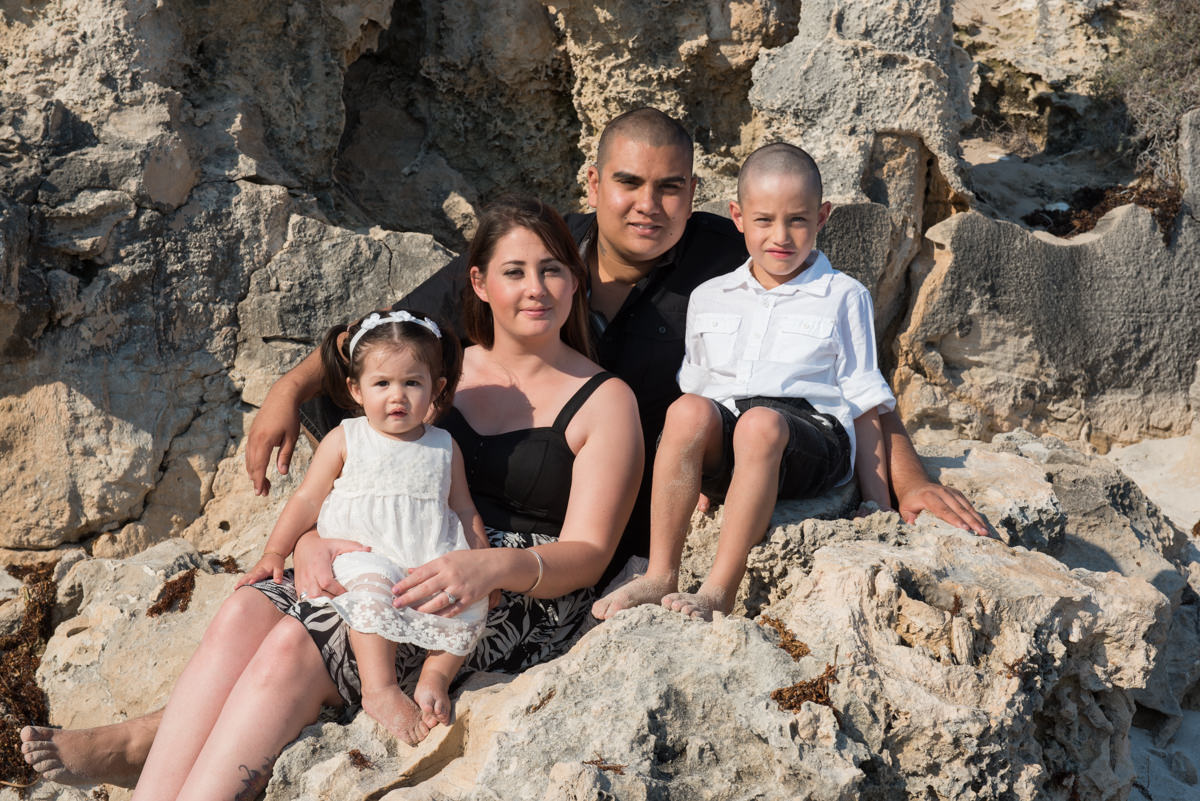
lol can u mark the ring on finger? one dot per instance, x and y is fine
(304, 596)
(453, 598)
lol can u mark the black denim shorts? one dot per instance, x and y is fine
(815, 459)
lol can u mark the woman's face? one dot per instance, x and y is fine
(527, 288)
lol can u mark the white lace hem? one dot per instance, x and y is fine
(367, 607)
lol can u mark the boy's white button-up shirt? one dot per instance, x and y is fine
(812, 337)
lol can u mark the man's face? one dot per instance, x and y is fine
(643, 198)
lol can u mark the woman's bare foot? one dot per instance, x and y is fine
(700, 604)
(641, 590)
(396, 712)
(433, 697)
(109, 754)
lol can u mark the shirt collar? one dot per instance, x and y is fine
(813, 281)
(588, 241)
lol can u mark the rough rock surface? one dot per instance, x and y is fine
(964, 665)
(109, 660)
(191, 193)
(1043, 337)
(857, 71)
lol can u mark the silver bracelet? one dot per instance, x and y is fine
(541, 567)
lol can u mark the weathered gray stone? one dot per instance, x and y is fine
(320, 276)
(1015, 330)
(954, 643)
(1189, 159)
(858, 70)
(107, 660)
(1059, 40)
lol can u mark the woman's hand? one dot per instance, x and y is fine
(313, 559)
(270, 565)
(467, 575)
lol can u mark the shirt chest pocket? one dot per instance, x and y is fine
(803, 340)
(718, 334)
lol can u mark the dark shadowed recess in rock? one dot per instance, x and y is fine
(436, 126)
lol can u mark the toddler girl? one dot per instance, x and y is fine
(396, 484)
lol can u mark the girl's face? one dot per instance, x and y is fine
(395, 390)
(528, 289)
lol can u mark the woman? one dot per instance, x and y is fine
(569, 441)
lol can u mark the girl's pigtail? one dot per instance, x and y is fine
(452, 358)
(335, 363)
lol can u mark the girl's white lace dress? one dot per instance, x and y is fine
(392, 496)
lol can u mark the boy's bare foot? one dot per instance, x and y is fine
(641, 590)
(396, 712)
(109, 754)
(700, 604)
(433, 698)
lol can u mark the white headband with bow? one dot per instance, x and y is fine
(376, 320)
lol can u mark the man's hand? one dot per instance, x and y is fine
(945, 502)
(277, 425)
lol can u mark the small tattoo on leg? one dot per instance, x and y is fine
(255, 781)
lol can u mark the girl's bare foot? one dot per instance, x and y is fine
(700, 604)
(109, 754)
(641, 590)
(433, 698)
(396, 712)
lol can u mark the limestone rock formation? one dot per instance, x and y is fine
(963, 665)
(859, 71)
(1011, 329)
(190, 194)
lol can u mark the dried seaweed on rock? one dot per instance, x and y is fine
(815, 690)
(787, 641)
(601, 763)
(176, 594)
(21, 700)
(359, 760)
(224, 564)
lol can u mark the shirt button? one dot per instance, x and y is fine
(662, 329)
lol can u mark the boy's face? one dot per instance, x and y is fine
(779, 215)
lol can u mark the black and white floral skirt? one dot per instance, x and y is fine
(520, 632)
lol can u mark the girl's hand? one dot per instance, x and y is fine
(271, 564)
(313, 560)
(466, 575)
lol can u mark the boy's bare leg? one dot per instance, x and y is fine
(433, 687)
(111, 754)
(382, 697)
(758, 443)
(691, 442)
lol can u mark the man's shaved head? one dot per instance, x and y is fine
(648, 126)
(780, 158)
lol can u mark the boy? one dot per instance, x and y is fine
(782, 388)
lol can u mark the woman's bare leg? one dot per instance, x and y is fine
(245, 619)
(280, 692)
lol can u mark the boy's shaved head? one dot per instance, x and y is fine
(647, 125)
(780, 158)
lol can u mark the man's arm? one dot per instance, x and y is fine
(277, 424)
(914, 490)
